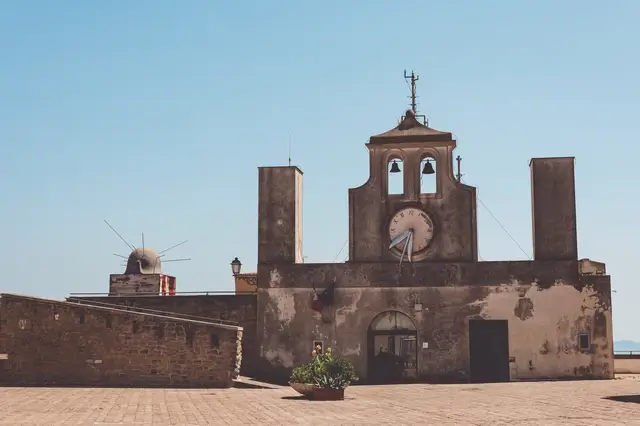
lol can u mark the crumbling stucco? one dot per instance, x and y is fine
(541, 345)
(556, 317)
(546, 302)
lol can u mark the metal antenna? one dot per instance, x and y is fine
(458, 174)
(123, 240)
(172, 247)
(176, 260)
(289, 150)
(143, 242)
(413, 77)
(119, 255)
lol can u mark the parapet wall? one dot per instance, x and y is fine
(49, 342)
(627, 363)
(241, 309)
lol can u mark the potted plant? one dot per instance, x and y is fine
(331, 376)
(302, 379)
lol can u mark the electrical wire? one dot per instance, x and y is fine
(480, 257)
(341, 248)
(501, 225)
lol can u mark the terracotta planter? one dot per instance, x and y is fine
(326, 394)
(301, 388)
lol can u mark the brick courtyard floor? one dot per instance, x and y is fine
(550, 403)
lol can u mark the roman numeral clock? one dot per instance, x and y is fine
(410, 232)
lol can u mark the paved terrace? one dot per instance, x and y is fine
(549, 403)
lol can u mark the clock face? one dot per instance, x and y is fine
(413, 223)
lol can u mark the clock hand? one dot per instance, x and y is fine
(397, 240)
(404, 249)
(410, 246)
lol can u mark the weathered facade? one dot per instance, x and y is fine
(46, 342)
(413, 300)
(238, 309)
(411, 303)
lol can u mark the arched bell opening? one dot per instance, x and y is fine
(428, 175)
(395, 175)
(392, 341)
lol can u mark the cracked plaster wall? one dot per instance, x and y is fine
(546, 302)
(544, 323)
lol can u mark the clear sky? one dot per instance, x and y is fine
(155, 115)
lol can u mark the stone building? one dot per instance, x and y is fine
(413, 301)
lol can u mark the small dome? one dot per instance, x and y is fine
(410, 113)
(144, 261)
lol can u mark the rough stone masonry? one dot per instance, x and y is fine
(48, 342)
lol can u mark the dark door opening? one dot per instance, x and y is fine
(489, 351)
(392, 349)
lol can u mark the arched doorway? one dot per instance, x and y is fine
(392, 348)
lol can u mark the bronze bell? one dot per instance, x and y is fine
(394, 167)
(428, 168)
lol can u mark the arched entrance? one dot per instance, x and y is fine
(392, 348)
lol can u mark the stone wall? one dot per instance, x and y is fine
(63, 343)
(240, 309)
(547, 305)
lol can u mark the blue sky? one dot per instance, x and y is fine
(155, 115)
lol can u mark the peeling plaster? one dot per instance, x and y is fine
(542, 334)
(524, 308)
(355, 351)
(274, 278)
(284, 356)
(286, 307)
(557, 315)
(348, 305)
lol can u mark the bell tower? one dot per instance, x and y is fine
(381, 213)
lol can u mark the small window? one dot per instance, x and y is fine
(584, 342)
(318, 346)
